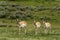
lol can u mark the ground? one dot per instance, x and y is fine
(11, 33)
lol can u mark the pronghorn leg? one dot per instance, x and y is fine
(49, 30)
(36, 31)
(25, 30)
(19, 30)
(46, 30)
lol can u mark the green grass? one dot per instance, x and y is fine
(11, 33)
(33, 3)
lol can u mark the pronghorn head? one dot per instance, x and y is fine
(18, 20)
(43, 20)
(34, 21)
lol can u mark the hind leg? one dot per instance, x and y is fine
(19, 29)
(25, 30)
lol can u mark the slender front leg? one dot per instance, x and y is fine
(25, 30)
(19, 30)
(36, 30)
(46, 31)
(49, 30)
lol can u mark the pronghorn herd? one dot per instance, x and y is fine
(37, 25)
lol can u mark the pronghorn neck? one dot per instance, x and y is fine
(18, 20)
(43, 22)
(34, 21)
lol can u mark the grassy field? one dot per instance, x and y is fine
(11, 32)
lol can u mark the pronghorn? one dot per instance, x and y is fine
(22, 24)
(37, 25)
(47, 25)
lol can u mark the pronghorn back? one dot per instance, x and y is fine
(22, 23)
(47, 24)
(37, 24)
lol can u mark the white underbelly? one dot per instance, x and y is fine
(38, 25)
(23, 25)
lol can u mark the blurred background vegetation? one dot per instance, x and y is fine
(30, 9)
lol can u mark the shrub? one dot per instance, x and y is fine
(56, 8)
(2, 8)
(12, 16)
(32, 8)
(50, 0)
(41, 8)
(3, 14)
